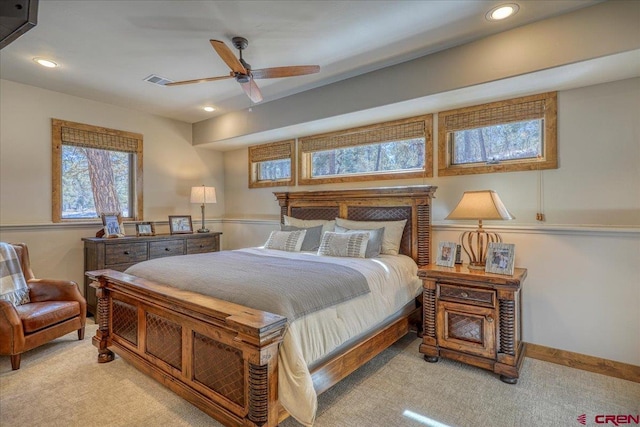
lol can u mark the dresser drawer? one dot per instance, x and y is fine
(166, 248)
(474, 296)
(198, 246)
(125, 253)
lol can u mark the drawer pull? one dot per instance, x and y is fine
(201, 246)
(167, 249)
(126, 252)
(489, 319)
(464, 294)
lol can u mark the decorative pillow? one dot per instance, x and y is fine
(392, 232)
(375, 239)
(344, 244)
(13, 287)
(290, 241)
(312, 238)
(327, 225)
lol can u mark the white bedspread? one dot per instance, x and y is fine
(393, 282)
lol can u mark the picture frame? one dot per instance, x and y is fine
(446, 254)
(500, 258)
(180, 224)
(145, 229)
(112, 224)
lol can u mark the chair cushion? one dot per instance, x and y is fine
(39, 315)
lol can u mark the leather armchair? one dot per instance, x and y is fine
(57, 307)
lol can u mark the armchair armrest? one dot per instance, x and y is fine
(11, 332)
(54, 290)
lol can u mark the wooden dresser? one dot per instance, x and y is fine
(473, 317)
(121, 253)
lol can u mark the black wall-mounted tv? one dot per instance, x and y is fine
(16, 18)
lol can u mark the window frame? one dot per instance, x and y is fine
(305, 156)
(549, 159)
(101, 133)
(279, 150)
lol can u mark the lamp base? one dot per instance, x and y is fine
(476, 266)
(203, 230)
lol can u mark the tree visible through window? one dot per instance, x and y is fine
(95, 180)
(490, 144)
(385, 157)
(95, 171)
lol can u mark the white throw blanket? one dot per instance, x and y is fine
(13, 287)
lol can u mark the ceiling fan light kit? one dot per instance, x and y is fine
(242, 72)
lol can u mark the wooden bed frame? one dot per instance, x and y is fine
(222, 357)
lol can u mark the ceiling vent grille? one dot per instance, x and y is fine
(157, 80)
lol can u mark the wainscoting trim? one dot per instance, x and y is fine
(594, 364)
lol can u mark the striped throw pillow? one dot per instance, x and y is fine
(289, 241)
(344, 244)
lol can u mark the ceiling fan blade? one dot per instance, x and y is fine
(252, 90)
(277, 72)
(228, 56)
(207, 79)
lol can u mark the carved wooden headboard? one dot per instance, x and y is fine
(412, 203)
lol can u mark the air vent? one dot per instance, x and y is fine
(157, 80)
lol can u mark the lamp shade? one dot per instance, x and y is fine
(203, 194)
(478, 205)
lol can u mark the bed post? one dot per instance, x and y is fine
(101, 339)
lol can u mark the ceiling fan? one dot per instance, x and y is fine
(244, 74)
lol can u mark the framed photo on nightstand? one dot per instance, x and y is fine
(446, 254)
(500, 258)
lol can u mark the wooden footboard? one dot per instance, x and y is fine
(222, 357)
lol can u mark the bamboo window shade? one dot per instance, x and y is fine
(103, 141)
(273, 151)
(515, 110)
(357, 137)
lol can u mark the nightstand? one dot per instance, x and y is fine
(473, 317)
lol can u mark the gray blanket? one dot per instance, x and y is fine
(290, 288)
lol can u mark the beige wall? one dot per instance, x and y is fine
(583, 289)
(171, 166)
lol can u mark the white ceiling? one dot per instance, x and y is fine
(106, 48)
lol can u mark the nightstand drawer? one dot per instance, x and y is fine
(166, 248)
(474, 296)
(125, 253)
(198, 246)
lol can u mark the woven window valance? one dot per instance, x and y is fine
(515, 110)
(272, 151)
(386, 132)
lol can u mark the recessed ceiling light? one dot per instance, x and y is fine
(209, 109)
(45, 62)
(503, 11)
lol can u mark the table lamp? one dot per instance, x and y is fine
(484, 204)
(203, 195)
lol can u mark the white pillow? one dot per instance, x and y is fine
(327, 225)
(290, 241)
(392, 232)
(344, 244)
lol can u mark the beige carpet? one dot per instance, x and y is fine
(61, 384)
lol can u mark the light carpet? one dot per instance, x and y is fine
(61, 384)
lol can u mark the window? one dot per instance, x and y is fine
(271, 165)
(514, 135)
(95, 170)
(391, 150)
